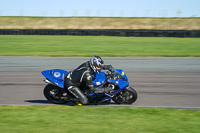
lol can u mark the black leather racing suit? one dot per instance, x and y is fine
(82, 77)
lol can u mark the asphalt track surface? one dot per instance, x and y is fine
(159, 81)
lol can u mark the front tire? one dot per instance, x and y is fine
(127, 96)
(54, 93)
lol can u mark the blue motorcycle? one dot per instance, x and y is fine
(115, 79)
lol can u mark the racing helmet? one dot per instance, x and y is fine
(96, 64)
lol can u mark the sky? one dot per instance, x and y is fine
(101, 8)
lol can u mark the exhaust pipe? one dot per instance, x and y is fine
(47, 81)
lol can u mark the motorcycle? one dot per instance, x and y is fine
(115, 79)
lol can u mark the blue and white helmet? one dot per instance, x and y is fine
(96, 63)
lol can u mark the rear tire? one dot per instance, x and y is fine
(127, 96)
(54, 93)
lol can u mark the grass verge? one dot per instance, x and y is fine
(32, 45)
(99, 23)
(54, 119)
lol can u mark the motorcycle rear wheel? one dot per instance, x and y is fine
(127, 96)
(54, 93)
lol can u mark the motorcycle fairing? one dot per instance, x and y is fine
(122, 84)
(56, 76)
(122, 73)
(100, 79)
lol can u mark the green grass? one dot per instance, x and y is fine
(65, 119)
(29, 45)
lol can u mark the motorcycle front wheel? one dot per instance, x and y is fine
(127, 96)
(54, 94)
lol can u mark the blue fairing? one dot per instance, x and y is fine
(100, 79)
(121, 71)
(56, 76)
(122, 84)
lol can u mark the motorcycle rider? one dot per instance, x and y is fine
(82, 77)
